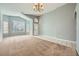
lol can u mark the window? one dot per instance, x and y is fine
(5, 26)
(18, 26)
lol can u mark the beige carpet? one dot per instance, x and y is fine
(32, 46)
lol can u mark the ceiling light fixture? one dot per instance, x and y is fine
(38, 7)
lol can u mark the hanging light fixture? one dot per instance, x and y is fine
(38, 7)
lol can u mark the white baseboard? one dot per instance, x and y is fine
(64, 42)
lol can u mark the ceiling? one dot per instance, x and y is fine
(26, 8)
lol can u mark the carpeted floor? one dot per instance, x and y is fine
(32, 46)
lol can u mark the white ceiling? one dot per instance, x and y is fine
(26, 8)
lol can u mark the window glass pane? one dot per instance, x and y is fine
(5, 27)
(18, 26)
(28, 27)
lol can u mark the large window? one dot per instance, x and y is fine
(15, 25)
(18, 26)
